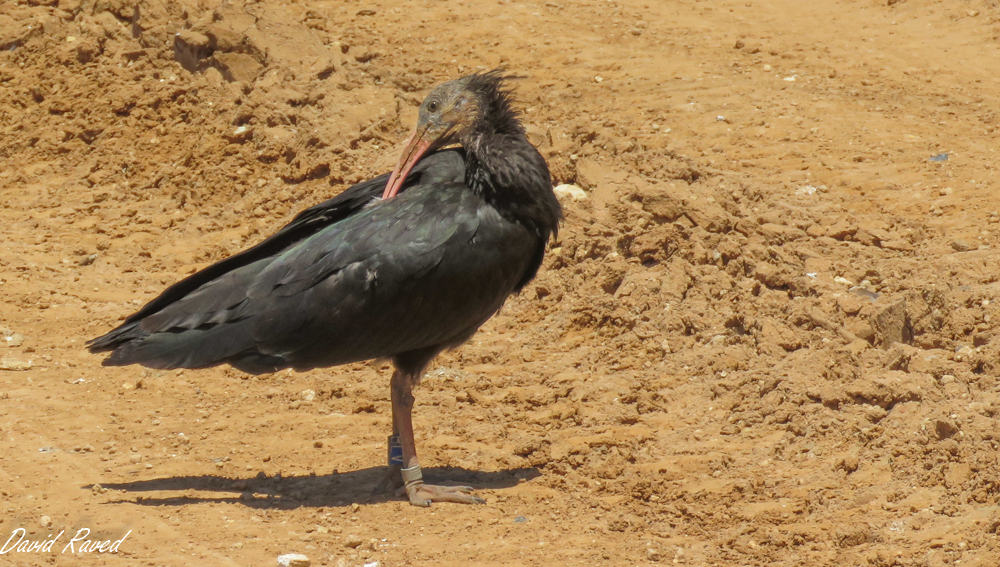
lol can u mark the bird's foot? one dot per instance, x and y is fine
(421, 494)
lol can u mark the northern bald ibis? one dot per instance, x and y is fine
(402, 266)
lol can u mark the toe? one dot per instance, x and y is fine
(425, 494)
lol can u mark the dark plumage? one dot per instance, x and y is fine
(358, 277)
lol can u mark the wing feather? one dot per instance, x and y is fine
(350, 279)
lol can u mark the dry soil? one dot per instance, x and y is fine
(768, 336)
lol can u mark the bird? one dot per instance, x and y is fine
(400, 267)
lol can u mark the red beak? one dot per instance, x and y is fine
(415, 149)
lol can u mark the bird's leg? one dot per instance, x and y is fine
(420, 494)
(392, 480)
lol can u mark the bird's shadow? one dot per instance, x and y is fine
(289, 492)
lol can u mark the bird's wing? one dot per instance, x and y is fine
(350, 279)
(414, 272)
(442, 166)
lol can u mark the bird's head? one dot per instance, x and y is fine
(456, 112)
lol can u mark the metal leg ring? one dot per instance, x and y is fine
(412, 475)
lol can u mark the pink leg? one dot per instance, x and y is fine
(420, 494)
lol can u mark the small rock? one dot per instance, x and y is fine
(237, 66)
(731, 429)
(45, 521)
(355, 507)
(892, 324)
(318, 444)
(308, 395)
(779, 234)
(945, 428)
(15, 365)
(191, 39)
(13, 340)
(897, 244)
(352, 541)
(864, 293)
(842, 230)
(962, 245)
(816, 231)
(293, 560)
(652, 554)
(568, 191)
(135, 459)
(848, 463)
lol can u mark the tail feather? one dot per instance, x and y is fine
(190, 348)
(129, 332)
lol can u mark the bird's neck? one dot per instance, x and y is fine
(507, 172)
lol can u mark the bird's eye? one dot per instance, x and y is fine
(432, 106)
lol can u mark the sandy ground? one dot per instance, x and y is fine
(768, 336)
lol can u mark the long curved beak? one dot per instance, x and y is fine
(416, 146)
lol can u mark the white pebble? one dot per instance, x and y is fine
(293, 560)
(567, 191)
(308, 395)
